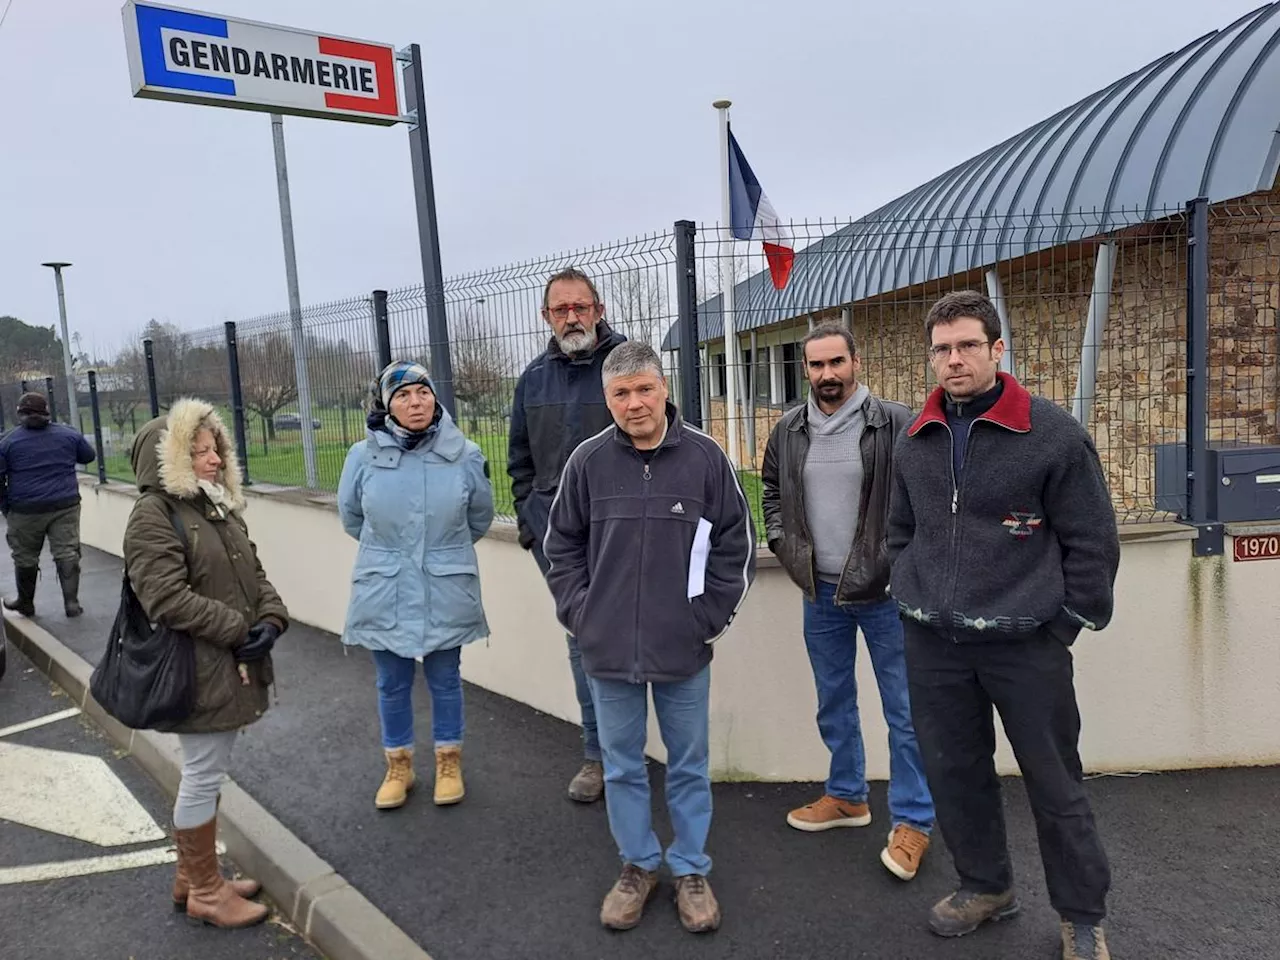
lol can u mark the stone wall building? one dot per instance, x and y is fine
(1124, 172)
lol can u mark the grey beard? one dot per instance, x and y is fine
(579, 342)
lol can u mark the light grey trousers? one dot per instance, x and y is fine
(206, 759)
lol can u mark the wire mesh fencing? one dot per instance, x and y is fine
(1093, 305)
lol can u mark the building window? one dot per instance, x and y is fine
(760, 378)
(793, 378)
(717, 374)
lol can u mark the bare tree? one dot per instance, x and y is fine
(266, 377)
(482, 364)
(125, 383)
(636, 303)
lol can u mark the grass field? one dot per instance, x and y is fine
(280, 461)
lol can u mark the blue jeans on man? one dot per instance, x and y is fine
(683, 708)
(830, 634)
(582, 688)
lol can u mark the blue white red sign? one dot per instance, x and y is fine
(177, 54)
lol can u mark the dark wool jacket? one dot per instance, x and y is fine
(559, 402)
(620, 543)
(1026, 541)
(38, 466)
(866, 569)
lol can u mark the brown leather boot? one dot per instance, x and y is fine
(181, 885)
(210, 898)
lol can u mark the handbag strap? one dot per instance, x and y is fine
(178, 528)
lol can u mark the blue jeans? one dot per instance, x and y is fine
(830, 634)
(682, 708)
(582, 687)
(395, 696)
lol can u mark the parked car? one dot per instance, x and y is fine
(292, 421)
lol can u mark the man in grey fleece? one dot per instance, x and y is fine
(828, 474)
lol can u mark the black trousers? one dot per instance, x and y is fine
(1031, 682)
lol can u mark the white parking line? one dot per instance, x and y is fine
(41, 721)
(37, 872)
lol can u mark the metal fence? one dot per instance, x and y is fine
(1095, 306)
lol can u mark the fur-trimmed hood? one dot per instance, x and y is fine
(161, 454)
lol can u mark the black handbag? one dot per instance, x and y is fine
(146, 678)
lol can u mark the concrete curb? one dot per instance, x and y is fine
(333, 915)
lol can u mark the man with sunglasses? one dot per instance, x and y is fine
(1003, 545)
(559, 402)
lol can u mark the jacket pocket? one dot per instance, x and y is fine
(374, 590)
(454, 585)
(215, 673)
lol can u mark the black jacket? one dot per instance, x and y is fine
(620, 544)
(559, 402)
(1027, 539)
(866, 569)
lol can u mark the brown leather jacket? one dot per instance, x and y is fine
(866, 570)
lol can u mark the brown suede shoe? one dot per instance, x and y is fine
(906, 849)
(827, 813)
(624, 904)
(587, 785)
(1080, 941)
(699, 910)
(964, 911)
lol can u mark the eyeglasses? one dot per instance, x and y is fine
(580, 310)
(966, 348)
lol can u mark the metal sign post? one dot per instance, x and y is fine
(428, 230)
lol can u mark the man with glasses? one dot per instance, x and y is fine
(828, 473)
(559, 402)
(1004, 546)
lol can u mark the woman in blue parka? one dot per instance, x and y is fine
(416, 494)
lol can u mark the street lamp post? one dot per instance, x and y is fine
(73, 413)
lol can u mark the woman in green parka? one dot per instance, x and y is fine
(207, 583)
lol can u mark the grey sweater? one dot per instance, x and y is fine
(833, 481)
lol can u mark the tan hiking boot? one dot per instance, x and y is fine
(398, 781)
(827, 813)
(449, 786)
(624, 904)
(699, 910)
(1080, 941)
(587, 785)
(906, 849)
(964, 911)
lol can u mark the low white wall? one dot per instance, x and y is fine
(1188, 674)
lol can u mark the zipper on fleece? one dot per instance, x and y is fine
(644, 530)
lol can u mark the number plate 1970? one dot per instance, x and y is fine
(1257, 546)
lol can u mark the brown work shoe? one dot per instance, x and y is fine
(906, 849)
(1081, 941)
(449, 786)
(965, 910)
(829, 812)
(699, 911)
(624, 903)
(587, 784)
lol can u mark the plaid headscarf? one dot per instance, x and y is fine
(395, 375)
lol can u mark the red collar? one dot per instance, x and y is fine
(1012, 411)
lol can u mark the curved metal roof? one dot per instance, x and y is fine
(1201, 121)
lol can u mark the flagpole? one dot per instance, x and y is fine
(727, 283)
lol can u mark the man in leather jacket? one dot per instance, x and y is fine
(828, 474)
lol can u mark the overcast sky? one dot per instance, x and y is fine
(554, 123)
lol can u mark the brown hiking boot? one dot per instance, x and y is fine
(398, 781)
(906, 849)
(699, 910)
(449, 786)
(587, 785)
(965, 910)
(210, 899)
(1081, 941)
(827, 813)
(624, 903)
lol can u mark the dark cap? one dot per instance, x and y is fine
(33, 403)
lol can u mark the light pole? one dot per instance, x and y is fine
(73, 413)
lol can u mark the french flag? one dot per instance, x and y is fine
(752, 216)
